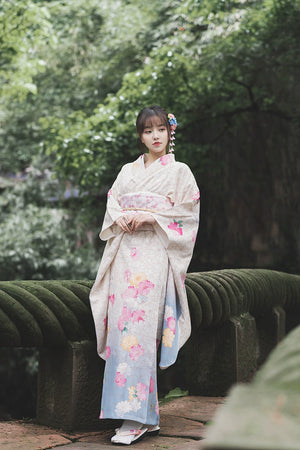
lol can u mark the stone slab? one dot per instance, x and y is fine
(182, 427)
(154, 442)
(173, 426)
(26, 436)
(195, 407)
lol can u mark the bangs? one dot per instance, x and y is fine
(154, 121)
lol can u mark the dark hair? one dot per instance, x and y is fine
(144, 119)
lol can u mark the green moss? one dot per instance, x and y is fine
(79, 309)
(232, 291)
(9, 333)
(207, 294)
(195, 308)
(221, 295)
(51, 329)
(207, 310)
(26, 324)
(67, 320)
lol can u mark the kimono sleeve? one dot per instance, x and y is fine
(113, 211)
(177, 226)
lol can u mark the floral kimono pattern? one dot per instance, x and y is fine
(138, 299)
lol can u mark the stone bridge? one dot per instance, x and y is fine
(238, 317)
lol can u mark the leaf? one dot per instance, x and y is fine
(173, 394)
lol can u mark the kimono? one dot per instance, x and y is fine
(138, 299)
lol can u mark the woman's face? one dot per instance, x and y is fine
(155, 137)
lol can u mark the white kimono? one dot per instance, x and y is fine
(138, 299)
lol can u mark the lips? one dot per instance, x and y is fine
(156, 144)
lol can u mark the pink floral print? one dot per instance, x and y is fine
(131, 292)
(127, 275)
(176, 225)
(138, 315)
(124, 319)
(134, 253)
(141, 390)
(120, 379)
(136, 352)
(108, 352)
(138, 392)
(171, 323)
(132, 346)
(144, 287)
(139, 286)
(152, 202)
(128, 316)
(196, 197)
(166, 159)
(111, 298)
(151, 385)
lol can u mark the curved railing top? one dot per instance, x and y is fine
(50, 313)
(44, 313)
(216, 296)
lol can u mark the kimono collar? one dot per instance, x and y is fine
(162, 161)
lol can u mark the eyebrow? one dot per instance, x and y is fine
(151, 126)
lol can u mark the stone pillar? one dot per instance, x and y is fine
(221, 356)
(270, 331)
(69, 387)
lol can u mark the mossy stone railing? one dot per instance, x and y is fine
(50, 313)
(238, 316)
(216, 296)
(44, 313)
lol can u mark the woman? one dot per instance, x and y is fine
(138, 299)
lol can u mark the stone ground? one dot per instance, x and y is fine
(184, 422)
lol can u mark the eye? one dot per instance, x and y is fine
(162, 129)
(147, 131)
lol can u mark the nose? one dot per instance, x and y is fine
(155, 134)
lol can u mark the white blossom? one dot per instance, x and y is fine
(124, 369)
(122, 408)
(135, 404)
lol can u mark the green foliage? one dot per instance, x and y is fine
(172, 395)
(209, 63)
(37, 244)
(227, 69)
(42, 236)
(24, 26)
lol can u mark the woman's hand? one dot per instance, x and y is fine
(139, 219)
(124, 223)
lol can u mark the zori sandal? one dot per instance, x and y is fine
(153, 429)
(129, 437)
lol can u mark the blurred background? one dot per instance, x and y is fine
(74, 75)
